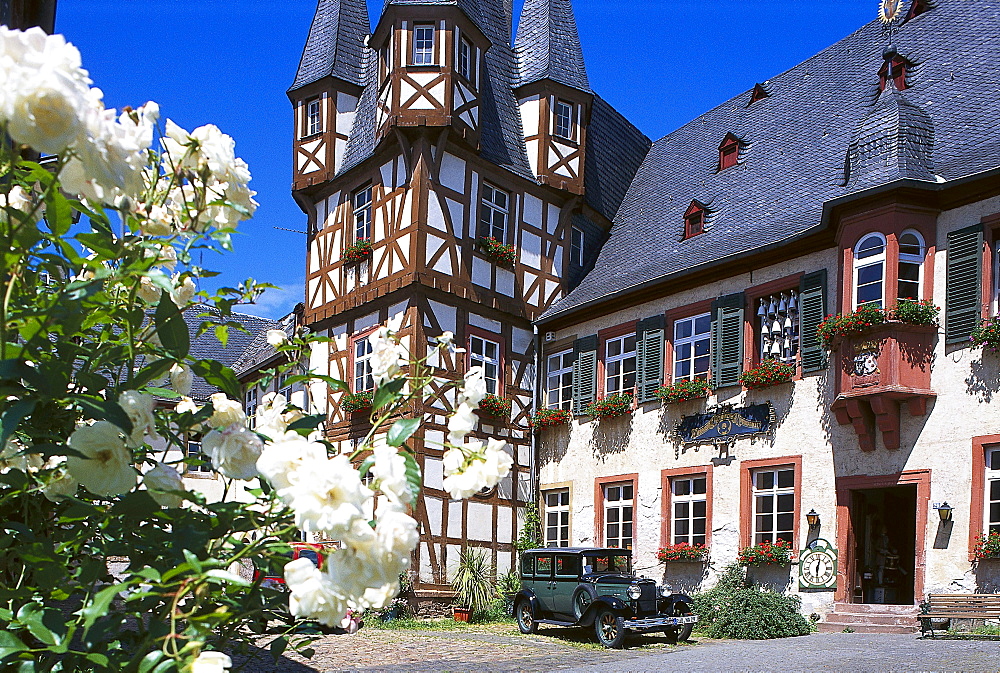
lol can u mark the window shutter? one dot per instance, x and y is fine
(964, 283)
(727, 340)
(584, 373)
(649, 358)
(812, 311)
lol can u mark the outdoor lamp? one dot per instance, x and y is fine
(812, 518)
(944, 511)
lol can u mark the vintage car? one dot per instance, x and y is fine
(589, 586)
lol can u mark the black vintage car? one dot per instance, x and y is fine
(584, 586)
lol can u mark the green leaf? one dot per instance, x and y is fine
(99, 659)
(226, 577)
(12, 418)
(192, 560)
(46, 624)
(151, 372)
(220, 376)
(171, 328)
(366, 465)
(278, 647)
(402, 430)
(413, 477)
(306, 424)
(150, 660)
(148, 573)
(58, 212)
(9, 644)
(222, 334)
(98, 605)
(164, 392)
(102, 244)
(387, 393)
(104, 410)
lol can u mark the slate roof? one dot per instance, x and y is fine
(259, 351)
(335, 43)
(548, 45)
(208, 346)
(796, 144)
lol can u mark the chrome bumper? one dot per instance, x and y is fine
(659, 622)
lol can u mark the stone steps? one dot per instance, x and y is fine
(870, 618)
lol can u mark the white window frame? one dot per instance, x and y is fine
(556, 504)
(774, 492)
(562, 119)
(559, 393)
(908, 258)
(489, 204)
(466, 59)
(871, 260)
(314, 117)
(689, 500)
(620, 506)
(992, 470)
(361, 378)
(693, 339)
(619, 378)
(192, 449)
(423, 48)
(361, 205)
(576, 246)
(250, 404)
(479, 357)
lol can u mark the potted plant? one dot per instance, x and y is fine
(473, 584)
(766, 553)
(835, 327)
(495, 406)
(682, 552)
(769, 372)
(678, 391)
(987, 334)
(612, 405)
(502, 254)
(547, 418)
(987, 546)
(356, 402)
(358, 251)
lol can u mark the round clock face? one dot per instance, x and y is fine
(818, 568)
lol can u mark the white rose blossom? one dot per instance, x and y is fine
(326, 495)
(226, 412)
(184, 291)
(211, 662)
(461, 423)
(106, 468)
(147, 291)
(139, 408)
(181, 379)
(234, 450)
(312, 595)
(390, 471)
(388, 356)
(473, 467)
(160, 481)
(276, 337)
(283, 458)
(274, 415)
(60, 483)
(16, 199)
(14, 457)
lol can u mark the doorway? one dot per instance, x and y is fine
(884, 523)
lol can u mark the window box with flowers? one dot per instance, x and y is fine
(766, 553)
(357, 402)
(835, 328)
(682, 552)
(495, 406)
(987, 547)
(358, 251)
(502, 254)
(547, 418)
(769, 372)
(610, 406)
(679, 391)
(987, 334)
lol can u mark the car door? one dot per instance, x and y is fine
(544, 584)
(566, 578)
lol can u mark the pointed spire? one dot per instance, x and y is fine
(548, 45)
(336, 43)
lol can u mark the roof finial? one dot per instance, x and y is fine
(888, 13)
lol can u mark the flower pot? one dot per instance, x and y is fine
(462, 614)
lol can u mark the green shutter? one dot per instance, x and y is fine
(584, 373)
(727, 340)
(649, 358)
(812, 311)
(964, 283)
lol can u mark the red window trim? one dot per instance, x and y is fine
(729, 152)
(471, 330)
(672, 316)
(977, 497)
(603, 335)
(666, 528)
(599, 484)
(751, 356)
(695, 209)
(991, 238)
(747, 468)
(357, 336)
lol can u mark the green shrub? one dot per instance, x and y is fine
(734, 608)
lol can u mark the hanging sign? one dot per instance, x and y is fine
(726, 423)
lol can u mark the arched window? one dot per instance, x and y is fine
(869, 271)
(911, 264)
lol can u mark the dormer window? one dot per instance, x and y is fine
(423, 44)
(564, 119)
(917, 7)
(694, 220)
(729, 151)
(898, 66)
(314, 117)
(758, 93)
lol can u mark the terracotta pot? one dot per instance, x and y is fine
(462, 614)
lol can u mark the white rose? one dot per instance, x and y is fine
(274, 415)
(328, 496)
(234, 451)
(312, 595)
(139, 407)
(276, 337)
(187, 405)
(60, 483)
(226, 412)
(211, 662)
(396, 532)
(160, 481)
(46, 110)
(16, 199)
(390, 471)
(164, 254)
(106, 468)
(183, 292)
(159, 222)
(181, 378)
(474, 388)
(284, 456)
(388, 356)
(461, 423)
(474, 467)
(147, 291)
(14, 457)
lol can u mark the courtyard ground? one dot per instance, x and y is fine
(499, 647)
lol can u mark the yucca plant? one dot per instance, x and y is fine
(474, 585)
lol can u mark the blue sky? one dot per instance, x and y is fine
(229, 62)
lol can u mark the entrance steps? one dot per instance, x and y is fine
(871, 618)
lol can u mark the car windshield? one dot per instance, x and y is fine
(608, 563)
(309, 554)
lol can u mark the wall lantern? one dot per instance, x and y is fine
(944, 510)
(812, 518)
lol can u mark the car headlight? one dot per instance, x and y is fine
(634, 591)
(665, 591)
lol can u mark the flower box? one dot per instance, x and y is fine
(987, 547)
(547, 418)
(495, 406)
(766, 553)
(358, 251)
(987, 334)
(835, 328)
(682, 552)
(768, 373)
(679, 391)
(357, 402)
(610, 406)
(502, 254)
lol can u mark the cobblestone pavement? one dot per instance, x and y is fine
(497, 649)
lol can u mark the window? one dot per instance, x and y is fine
(564, 119)
(559, 375)
(869, 271)
(576, 247)
(556, 517)
(362, 204)
(363, 379)
(690, 509)
(465, 52)
(773, 505)
(486, 354)
(778, 315)
(894, 69)
(314, 117)
(729, 151)
(692, 347)
(992, 518)
(423, 44)
(618, 514)
(282, 386)
(758, 93)
(194, 452)
(494, 211)
(568, 565)
(619, 364)
(911, 262)
(694, 220)
(250, 407)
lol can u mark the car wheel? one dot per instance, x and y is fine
(682, 632)
(525, 617)
(582, 599)
(610, 629)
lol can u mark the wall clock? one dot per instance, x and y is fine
(818, 566)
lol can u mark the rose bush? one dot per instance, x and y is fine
(98, 247)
